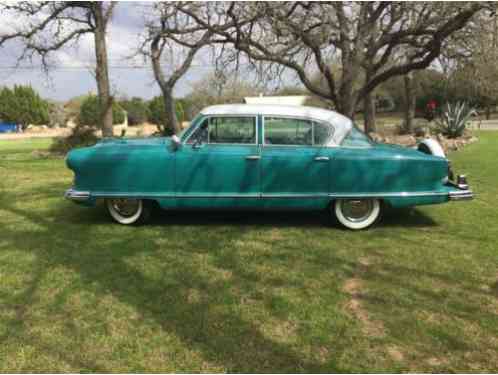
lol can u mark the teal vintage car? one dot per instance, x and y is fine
(263, 157)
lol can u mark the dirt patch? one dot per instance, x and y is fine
(395, 353)
(193, 296)
(354, 287)
(434, 361)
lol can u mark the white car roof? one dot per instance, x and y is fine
(342, 125)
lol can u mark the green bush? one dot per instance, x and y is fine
(90, 112)
(80, 137)
(454, 119)
(22, 105)
(137, 110)
(157, 112)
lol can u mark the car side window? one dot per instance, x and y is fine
(293, 131)
(226, 130)
(287, 131)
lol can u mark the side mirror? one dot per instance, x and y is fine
(198, 143)
(175, 141)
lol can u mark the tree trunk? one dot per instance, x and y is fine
(102, 71)
(369, 111)
(171, 126)
(346, 101)
(409, 102)
(488, 111)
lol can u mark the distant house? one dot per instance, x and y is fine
(8, 127)
(282, 100)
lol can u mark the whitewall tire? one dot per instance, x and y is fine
(128, 211)
(357, 214)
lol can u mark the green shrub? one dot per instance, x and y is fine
(454, 119)
(80, 137)
(137, 110)
(22, 105)
(90, 112)
(157, 113)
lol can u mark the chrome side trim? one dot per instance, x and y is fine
(75, 195)
(461, 195)
(103, 194)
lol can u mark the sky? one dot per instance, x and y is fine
(72, 74)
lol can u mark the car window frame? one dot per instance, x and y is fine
(312, 120)
(208, 117)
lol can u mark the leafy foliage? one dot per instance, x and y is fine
(80, 137)
(454, 119)
(157, 112)
(137, 110)
(23, 105)
(90, 112)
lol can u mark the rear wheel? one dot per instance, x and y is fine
(128, 211)
(357, 213)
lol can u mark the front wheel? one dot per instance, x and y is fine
(128, 211)
(357, 213)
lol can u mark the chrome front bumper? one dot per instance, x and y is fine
(77, 196)
(461, 195)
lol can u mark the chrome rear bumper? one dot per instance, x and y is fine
(77, 196)
(463, 193)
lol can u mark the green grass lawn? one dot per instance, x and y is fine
(244, 292)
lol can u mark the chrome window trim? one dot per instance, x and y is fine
(329, 142)
(207, 117)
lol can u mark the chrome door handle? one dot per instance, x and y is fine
(322, 158)
(253, 157)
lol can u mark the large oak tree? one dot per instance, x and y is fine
(372, 41)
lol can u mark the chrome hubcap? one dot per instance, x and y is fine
(356, 210)
(125, 207)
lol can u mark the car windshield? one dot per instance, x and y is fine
(185, 130)
(356, 138)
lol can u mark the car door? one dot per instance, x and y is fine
(219, 164)
(294, 164)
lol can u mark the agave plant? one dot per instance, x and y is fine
(454, 119)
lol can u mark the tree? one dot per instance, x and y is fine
(49, 26)
(22, 105)
(137, 110)
(172, 37)
(366, 38)
(91, 112)
(474, 73)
